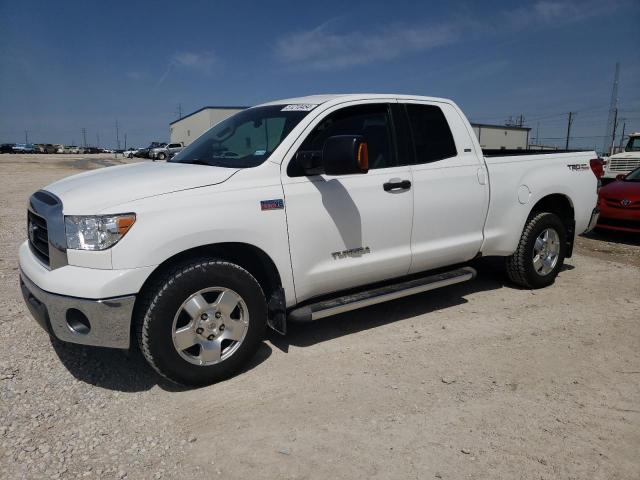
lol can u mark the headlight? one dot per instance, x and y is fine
(96, 232)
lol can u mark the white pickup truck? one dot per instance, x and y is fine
(291, 211)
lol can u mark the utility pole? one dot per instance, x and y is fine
(538, 133)
(613, 133)
(97, 139)
(624, 126)
(566, 147)
(125, 141)
(179, 111)
(26, 136)
(84, 137)
(117, 136)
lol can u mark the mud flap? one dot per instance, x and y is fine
(277, 312)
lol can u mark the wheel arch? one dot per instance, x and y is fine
(247, 256)
(561, 205)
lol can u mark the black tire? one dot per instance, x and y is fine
(161, 156)
(159, 304)
(520, 268)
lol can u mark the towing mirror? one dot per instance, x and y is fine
(345, 154)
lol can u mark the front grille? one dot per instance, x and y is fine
(38, 235)
(616, 222)
(623, 164)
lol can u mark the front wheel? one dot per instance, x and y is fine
(161, 156)
(201, 322)
(540, 253)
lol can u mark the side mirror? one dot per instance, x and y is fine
(620, 176)
(345, 154)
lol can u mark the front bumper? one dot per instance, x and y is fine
(595, 214)
(103, 323)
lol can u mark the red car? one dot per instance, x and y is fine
(619, 203)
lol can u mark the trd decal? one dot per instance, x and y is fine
(576, 167)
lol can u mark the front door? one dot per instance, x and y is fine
(349, 230)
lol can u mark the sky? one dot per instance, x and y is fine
(72, 65)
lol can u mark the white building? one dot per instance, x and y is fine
(188, 128)
(501, 137)
(491, 137)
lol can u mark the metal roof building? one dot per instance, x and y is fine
(186, 129)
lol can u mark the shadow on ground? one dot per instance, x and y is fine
(127, 370)
(124, 370)
(613, 236)
(490, 277)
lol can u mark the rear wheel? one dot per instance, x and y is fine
(161, 156)
(201, 322)
(540, 253)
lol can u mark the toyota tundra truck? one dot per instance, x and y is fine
(291, 211)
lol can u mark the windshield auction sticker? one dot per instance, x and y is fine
(299, 107)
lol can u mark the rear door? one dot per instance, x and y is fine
(451, 191)
(349, 230)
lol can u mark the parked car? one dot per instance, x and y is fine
(294, 210)
(74, 149)
(24, 148)
(130, 153)
(45, 148)
(168, 151)
(144, 152)
(619, 203)
(624, 162)
(7, 147)
(59, 148)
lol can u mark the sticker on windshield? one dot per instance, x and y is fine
(258, 153)
(299, 107)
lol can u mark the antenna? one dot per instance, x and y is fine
(613, 108)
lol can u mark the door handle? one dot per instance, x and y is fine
(396, 184)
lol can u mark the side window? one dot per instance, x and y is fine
(432, 138)
(372, 121)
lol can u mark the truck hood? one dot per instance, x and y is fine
(625, 155)
(90, 192)
(620, 190)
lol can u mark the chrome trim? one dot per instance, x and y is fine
(110, 318)
(52, 214)
(393, 295)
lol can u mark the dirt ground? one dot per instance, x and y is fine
(478, 380)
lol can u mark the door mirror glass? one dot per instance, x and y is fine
(345, 154)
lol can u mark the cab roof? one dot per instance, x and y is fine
(337, 97)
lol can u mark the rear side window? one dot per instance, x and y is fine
(432, 138)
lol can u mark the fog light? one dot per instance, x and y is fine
(78, 322)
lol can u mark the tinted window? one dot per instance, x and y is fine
(432, 136)
(372, 121)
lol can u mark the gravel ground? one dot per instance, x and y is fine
(477, 380)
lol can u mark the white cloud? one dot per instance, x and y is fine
(200, 61)
(322, 48)
(327, 48)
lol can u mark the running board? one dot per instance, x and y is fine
(346, 303)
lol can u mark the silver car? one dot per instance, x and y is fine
(168, 151)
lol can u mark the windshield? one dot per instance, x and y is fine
(633, 145)
(243, 140)
(633, 176)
